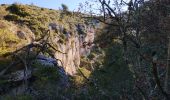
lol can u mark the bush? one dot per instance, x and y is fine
(45, 76)
(18, 10)
(7, 37)
(3, 4)
(12, 17)
(48, 73)
(6, 40)
(45, 73)
(64, 7)
(62, 36)
(92, 55)
(62, 39)
(2, 12)
(85, 72)
(85, 63)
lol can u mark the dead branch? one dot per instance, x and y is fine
(9, 66)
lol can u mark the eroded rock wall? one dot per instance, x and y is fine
(75, 46)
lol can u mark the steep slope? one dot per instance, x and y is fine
(26, 30)
(68, 32)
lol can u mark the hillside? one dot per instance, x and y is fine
(33, 20)
(22, 26)
(48, 54)
(57, 34)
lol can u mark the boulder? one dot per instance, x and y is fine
(46, 61)
(21, 34)
(53, 26)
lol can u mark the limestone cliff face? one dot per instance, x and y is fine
(75, 46)
(71, 60)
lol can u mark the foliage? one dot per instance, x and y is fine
(6, 40)
(62, 38)
(47, 82)
(64, 7)
(2, 12)
(37, 19)
(45, 73)
(12, 17)
(45, 79)
(85, 63)
(109, 75)
(18, 10)
(141, 25)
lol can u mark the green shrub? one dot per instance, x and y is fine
(62, 41)
(6, 40)
(18, 10)
(78, 80)
(65, 10)
(92, 55)
(42, 9)
(45, 73)
(62, 36)
(7, 37)
(84, 62)
(85, 72)
(45, 77)
(3, 4)
(12, 17)
(49, 73)
(3, 12)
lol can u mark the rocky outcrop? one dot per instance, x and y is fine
(70, 60)
(27, 35)
(20, 78)
(76, 45)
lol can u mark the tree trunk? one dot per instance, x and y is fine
(167, 80)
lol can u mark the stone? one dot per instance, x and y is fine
(53, 26)
(46, 61)
(21, 34)
(77, 45)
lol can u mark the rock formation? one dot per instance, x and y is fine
(75, 46)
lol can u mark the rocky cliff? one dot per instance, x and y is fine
(69, 33)
(76, 44)
(25, 26)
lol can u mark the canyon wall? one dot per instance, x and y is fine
(75, 46)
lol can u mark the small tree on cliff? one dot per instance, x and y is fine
(64, 11)
(64, 7)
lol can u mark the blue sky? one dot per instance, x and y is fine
(54, 4)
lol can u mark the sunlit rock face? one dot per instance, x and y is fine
(71, 60)
(26, 34)
(86, 42)
(75, 46)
